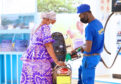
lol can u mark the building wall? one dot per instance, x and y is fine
(18, 6)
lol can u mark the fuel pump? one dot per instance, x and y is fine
(116, 7)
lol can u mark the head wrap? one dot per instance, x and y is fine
(49, 15)
(52, 15)
(45, 15)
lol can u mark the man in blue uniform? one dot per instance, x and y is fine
(94, 34)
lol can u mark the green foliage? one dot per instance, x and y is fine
(66, 6)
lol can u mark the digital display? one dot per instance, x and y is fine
(116, 5)
(118, 2)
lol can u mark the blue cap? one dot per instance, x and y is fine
(83, 8)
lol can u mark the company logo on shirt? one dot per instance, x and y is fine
(101, 31)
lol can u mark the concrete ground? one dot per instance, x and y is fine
(74, 81)
(105, 79)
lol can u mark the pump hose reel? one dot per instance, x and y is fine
(106, 48)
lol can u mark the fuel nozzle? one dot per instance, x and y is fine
(74, 55)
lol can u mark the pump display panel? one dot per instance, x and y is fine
(116, 5)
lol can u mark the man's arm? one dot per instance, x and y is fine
(87, 47)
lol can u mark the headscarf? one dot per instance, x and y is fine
(52, 15)
(45, 15)
(49, 15)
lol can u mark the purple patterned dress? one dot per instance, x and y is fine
(36, 67)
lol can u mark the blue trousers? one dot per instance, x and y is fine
(87, 69)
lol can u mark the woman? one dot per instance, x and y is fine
(39, 55)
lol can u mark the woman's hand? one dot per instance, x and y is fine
(60, 63)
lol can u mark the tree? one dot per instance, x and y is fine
(66, 6)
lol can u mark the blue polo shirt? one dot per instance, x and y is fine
(94, 32)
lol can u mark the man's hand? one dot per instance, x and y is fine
(82, 49)
(73, 51)
(77, 50)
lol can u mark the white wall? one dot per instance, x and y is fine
(0, 10)
(18, 6)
